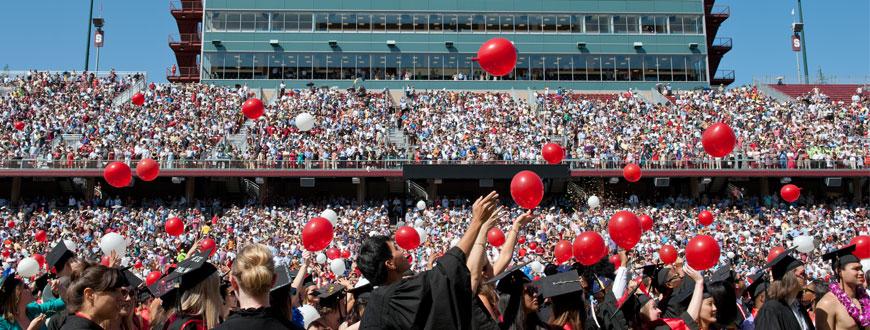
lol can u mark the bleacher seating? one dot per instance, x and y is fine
(837, 93)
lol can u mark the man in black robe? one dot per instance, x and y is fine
(439, 298)
(781, 310)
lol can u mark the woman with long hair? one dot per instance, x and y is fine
(94, 297)
(566, 297)
(192, 294)
(781, 309)
(18, 309)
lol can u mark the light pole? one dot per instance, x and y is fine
(803, 42)
(98, 39)
(88, 42)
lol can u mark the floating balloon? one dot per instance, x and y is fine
(522, 252)
(337, 267)
(705, 218)
(533, 245)
(330, 215)
(521, 240)
(40, 259)
(105, 261)
(552, 153)
(804, 244)
(304, 121)
(320, 258)
(790, 193)
(862, 246)
(495, 237)
(563, 251)
(208, 244)
(147, 169)
(253, 108)
(41, 236)
(70, 245)
(152, 278)
(19, 125)
(333, 253)
(718, 140)
(527, 189)
(10, 224)
(631, 173)
(138, 99)
(774, 252)
(174, 226)
(589, 248)
(118, 174)
(113, 242)
(138, 265)
(345, 254)
(407, 238)
(421, 205)
(424, 236)
(317, 234)
(646, 222)
(702, 252)
(498, 56)
(625, 229)
(615, 260)
(28, 267)
(668, 254)
(593, 202)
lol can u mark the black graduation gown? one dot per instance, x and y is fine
(480, 317)
(57, 320)
(256, 319)
(439, 298)
(776, 315)
(73, 322)
(671, 308)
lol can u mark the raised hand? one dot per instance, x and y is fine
(483, 208)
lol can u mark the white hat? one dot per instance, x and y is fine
(309, 315)
(363, 282)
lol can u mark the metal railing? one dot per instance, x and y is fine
(723, 42)
(724, 75)
(185, 6)
(720, 11)
(574, 164)
(194, 38)
(183, 72)
(69, 73)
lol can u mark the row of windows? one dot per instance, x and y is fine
(567, 67)
(226, 21)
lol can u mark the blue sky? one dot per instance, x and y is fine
(50, 35)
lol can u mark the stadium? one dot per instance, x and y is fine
(624, 158)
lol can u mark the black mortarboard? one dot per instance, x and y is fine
(723, 274)
(59, 255)
(686, 289)
(561, 284)
(282, 277)
(658, 273)
(758, 285)
(132, 279)
(782, 264)
(308, 280)
(841, 257)
(189, 273)
(632, 304)
(510, 279)
(39, 283)
(330, 294)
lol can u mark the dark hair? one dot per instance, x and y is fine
(551, 269)
(9, 298)
(724, 296)
(568, 309)
(97, 277)
(373, 252)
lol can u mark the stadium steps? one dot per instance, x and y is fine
(834, 92)
(654, 97)
(775, 94)
(717, 184)
(233, 186)
(125, 96)
(397, 137)
(70, 140)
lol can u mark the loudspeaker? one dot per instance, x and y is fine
(662, 182)
(306, 182)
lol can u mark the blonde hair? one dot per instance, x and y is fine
(254, 270)
(204, 300)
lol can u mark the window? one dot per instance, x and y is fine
(217, 21)
(234, 21)
(421, 66)
(347, 63)
(320, 68)
(579, 67)
(421, 23)
(320, 22)
(676, 24)
(291, 22)
(536, 63)
(248, 22)
(260, 66)
(665, 68)
(451, 66)
(364, 22)
(576, 24)
(363, 66)
(507, 23)
(305, 22)
(492, 24)
(522, 23)
(262, 24)
(597, 24)
(625, 24)
(392, 22)
(522, 69)
(536, 24)
(661, 24)
(379, 23)
(608, 68)
(549, 24)
(245, 64)
(406, 23)
(563, 24)
(635, 63)
(436, 23)
(334, 23)
(564, 64)
(647, 24)
(348, 22)
(692, 25)
(277, 22)
(333, 67)
(436, 67)
(306, 67)
(276, 66)
(622, 68)
(593, 68)
(650, 68)
(680, 71)
(451, 24)
(290, 66)
(465, 23)
(478, 23)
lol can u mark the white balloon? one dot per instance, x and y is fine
(320, 258)
(865, 263)
(421, 205)
(418, 223)
(304, 121)
(593, 202)
(804, 243)
(730, 255)
(113, 242)
(536, 266)
(28, 267)
(337, 267)
(330, 215)
(70, 245)
(423, 234)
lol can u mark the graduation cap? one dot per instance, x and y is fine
(782, 264)
(633, 303)
(759, 284)
(841, 257)
(282, 278)
(307, 281)
(39, 283)
(600, 283)
(561, 284)
(330, 294)
(189, 273)
(659, 274)
(723, 274)
(132, 279)
(510, 279)
(362, 286)
(59, 255)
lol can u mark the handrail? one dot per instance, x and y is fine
(185, 6)
(185, 38)
(724, 74)
(125, 96)
(722, 42)
(574, 164)
(71, 73)
(720, 10)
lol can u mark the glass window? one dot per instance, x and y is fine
(212, 67)
(334, 24)
(593, 24)
(676, 24)
(333, 66)
(593, 68)
(363, 22)
(661, 24)
(466, 67)
(436, 24)
(635, 63)
(549, 24)
(392, 22)
(260, 66)
(692, 25)
(406, 23)
(245, 64)
(320, 21)
(348, 22)
(379, 23)
(625, 24)
(464, 23)
(348, 68)
(579, 67)
(492, 24)
(305, 22)
(451, 66)
(451, 24)
(291, 22)
(622, 68)
(478, 23)
(521, 23)
(564, 64)
(216, 21)
(290, 66)
(276, 64)
(563, 24)
(536, 63)
(363, 66)
(436, 67)
(647, 24)
(650, 68)
(320, 69)
(536, 24)
(665, 68)
(576, 24)
(248, 22)
(551, 68)
(507, 23)
(262, 24)
(522, 70)
(407, 67)
(306, 66)
(277, 22)
(234, 21)
(679, 63)
(421, 24)
(420, 62)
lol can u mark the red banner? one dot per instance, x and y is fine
(796, 43)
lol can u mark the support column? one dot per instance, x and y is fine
(190, 185)
(90, 188)
(361, 191)
(857, 190)
(694, 187)
(765, 186)
(431, 189)
(16, 190)
(264, 191)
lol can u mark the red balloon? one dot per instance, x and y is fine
(407, 237)
(208, 244)
(718, 140)
(138, 265)
(333, 253)
(705, 218)
(40, 259)
(631, 172)
(862, 246)
(498, 56)
(138, 99)
(539, 250)
(118, 174)
(253, 108)
(214, 219)
(521, 240)
(345, 254)
(790, 193)
(774, 252)
(41, 236)
(6, 253)
(702, 252)
(174, 226)
(614, 259)
(522, 252)
(533, 245)
(589, 248)
(563, 251)
(317, 234)
(668, 254)
(624, 228)
(105, 261)
(152, 278)
(646, 222)
(527, 189)
(10, 224)
(147, 169)
(495, 237)
(19, 125)
(553, 153)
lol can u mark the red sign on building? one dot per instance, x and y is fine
(796, 43)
